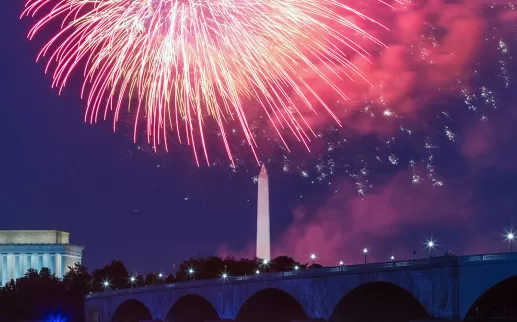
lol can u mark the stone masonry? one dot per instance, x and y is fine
(445, 286)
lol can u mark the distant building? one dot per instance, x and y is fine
(24, 249)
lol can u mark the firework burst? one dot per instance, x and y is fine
(182, 62)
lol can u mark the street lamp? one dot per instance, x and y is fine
(191, 273)
(365, 252)
(510, 237)
(341, 263)
(313, 257)
(160, 275)
(431, 245)
(392, 258)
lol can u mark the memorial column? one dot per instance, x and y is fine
(3, 270)
(46, 260)
(10, 267)
(57, 265)
(34, 260)
(23, 264)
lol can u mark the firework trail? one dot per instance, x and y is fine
(184, 60)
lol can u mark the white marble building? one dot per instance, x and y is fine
(24, 249)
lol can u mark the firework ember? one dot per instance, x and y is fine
(183, 62)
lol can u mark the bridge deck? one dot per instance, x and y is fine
(440, 261)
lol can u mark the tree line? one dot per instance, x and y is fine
(40, 295)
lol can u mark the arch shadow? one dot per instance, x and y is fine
(271, 305)
(131, 311)
(378, 302)
(497, 303)
(191, 308)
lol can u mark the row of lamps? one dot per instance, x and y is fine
(430, 245)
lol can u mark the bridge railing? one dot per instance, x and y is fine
(488, 257)
(316, 272)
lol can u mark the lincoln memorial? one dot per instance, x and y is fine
(24, 249)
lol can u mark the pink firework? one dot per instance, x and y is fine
(183, 61)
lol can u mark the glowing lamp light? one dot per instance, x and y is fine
(431, 244)
(106, 284)
(56, 319)
(296, 268)
(340, 262)
(313, 256)
(191, 271)
(225, 275)
(365, 250)
(392, 257)
(132, 278)
(160, 275)
(258, 272)
(265, 262)
(510, 236)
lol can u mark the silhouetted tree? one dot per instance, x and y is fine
(151, 279)
(156, 278)
(40, 295)
(202, 268)
(77, 279)
(247, 266)
(116, 274)
(283, 264)
(77, 282)
(170, 279)
(139, 281)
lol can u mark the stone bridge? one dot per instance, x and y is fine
(444, 288)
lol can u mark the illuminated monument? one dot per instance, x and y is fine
(24, 249)
(263, 243)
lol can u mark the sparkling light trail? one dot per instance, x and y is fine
(183, 62)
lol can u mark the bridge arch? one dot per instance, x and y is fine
(191, 308)
(496, 303)
(378, 302)
(477, 278)
(271, 305)
(131, 311)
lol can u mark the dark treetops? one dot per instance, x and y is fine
(39, 295)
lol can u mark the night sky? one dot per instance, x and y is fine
(122, 201)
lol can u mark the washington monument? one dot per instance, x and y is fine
(263, 242)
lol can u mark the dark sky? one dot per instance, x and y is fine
(124, 202)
